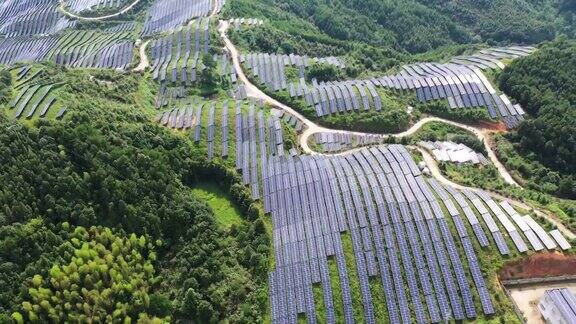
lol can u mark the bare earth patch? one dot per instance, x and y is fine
(540, 265)
(527, 298)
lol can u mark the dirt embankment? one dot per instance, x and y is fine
(540, 265)
(495, 126)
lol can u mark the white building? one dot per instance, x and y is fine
(558, 306)
(453, 152)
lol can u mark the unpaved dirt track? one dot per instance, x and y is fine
(437, 174)
(214, 8)
(144, 63)
(312, 128)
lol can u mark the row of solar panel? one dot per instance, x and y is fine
(360, 255)
(463, 86)
(175, 53)
(40, 94)
(338, 97)
(491, 58)
(79, 6)
(76, 49)
(337, 142)
(270, 68)
(31, 18)
(165, 15)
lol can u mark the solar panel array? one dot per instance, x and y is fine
(175, 57)
(226, 67)
(165, 15)
(94, 50)
(407, 231)
(469, 214)
(238, 22)
(80, 6)
(32, 99)
(504, 221)
(489, 221)
(466, 242)
(491, 58)
(338, 142)
(270, 68)
(338, 97)
(239, 92)
(540, 233)
(290, 119)
(122, 27)
(169, 96)
(560, 239)
(31, 18)
(461, 82)
(523, 226)
(254, 133)
(398, 230)
(21, 49)
(88, 49)
(463, 86)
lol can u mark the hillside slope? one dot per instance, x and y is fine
(417, 25)
(543, 83)
(108, 187)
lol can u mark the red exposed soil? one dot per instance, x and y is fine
(539, 266)
(492, 126)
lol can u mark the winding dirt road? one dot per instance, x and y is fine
(144, 62)
(437, 174)
(116, 14)
(313, 128)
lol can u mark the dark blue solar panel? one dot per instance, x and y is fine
(501, 243)
(371, 263)
(487, 305)
(314, 270)
(480, 235)
(432, 309)
(388, 286)
(460, 227)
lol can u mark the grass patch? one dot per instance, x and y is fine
(353, 276)
(226, 213)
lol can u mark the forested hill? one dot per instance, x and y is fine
(544, 84)
(99, 223)
(419, 25)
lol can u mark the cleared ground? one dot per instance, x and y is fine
(527, 298)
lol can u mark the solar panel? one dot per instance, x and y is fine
(371, 264)
(559, 238)
(480, 235)
(517, 239)
(501, 243)
(539, 231)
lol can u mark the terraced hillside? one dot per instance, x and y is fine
(129, 126)
(87, 6)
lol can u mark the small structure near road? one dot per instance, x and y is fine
(454, 152)
(558, 306)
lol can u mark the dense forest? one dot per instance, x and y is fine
(379, 34)
(543, 83)
(99, 221)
